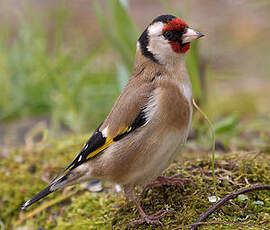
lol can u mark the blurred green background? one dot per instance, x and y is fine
(63, 64)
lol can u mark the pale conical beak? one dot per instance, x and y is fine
(191, 35)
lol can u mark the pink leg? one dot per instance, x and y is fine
(173, 180)
(149, 219)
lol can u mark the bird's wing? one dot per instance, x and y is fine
(95, 145)
(126, 116)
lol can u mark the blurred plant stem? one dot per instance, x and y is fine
(119, 31)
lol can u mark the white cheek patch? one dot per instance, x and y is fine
(159, 46)
(155, 29)
(161, 49)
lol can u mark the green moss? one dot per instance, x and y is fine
(106, 210)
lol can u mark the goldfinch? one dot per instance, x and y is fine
(148, 124)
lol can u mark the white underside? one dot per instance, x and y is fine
(167, 151)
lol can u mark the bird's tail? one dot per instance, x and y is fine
(60, 182)
(37, 197)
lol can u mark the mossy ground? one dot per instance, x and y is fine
(22, 170)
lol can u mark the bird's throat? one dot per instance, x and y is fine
(177, 47)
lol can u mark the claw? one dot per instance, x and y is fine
(149, 219)
(173, 180)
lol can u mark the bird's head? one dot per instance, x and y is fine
(166, 38)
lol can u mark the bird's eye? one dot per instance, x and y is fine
(168, 35)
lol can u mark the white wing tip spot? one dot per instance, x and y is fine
(85, 146)
(105, 132)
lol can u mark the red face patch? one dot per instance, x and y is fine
(177, 24)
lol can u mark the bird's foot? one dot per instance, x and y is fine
(172, 180)
(151, 219)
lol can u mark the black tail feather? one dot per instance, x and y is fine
(37, 197)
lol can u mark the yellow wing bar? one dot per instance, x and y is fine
(98, 150)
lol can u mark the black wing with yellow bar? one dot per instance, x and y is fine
(97, 143)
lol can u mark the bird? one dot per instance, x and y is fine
(149, 122)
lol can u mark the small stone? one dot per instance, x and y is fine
(242, 197)
(93, 186)
(118, 188)
(258, 202)
(213, 199)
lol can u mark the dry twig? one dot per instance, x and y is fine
(232, 195)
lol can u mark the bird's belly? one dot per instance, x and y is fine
(159, 158)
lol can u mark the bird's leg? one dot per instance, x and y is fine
(172, 180)
(149, 219)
